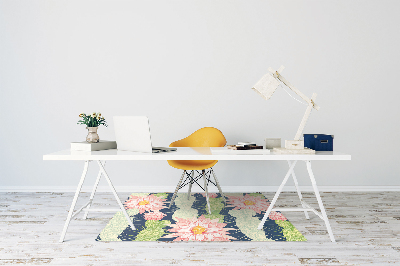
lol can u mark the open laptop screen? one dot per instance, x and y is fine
(132, 133)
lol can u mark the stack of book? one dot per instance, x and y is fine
(245, 146)
(240, 148)
(98, 146)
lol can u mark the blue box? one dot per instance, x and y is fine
(318, 142)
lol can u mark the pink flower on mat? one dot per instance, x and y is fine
(276, 216)
(145, 203)
(210, 195)
(199, 229)
(248, 202)
(154, 215)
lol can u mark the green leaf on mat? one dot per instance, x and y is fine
(216, 205)
(289, 231)
(153, 231)
(257, 195)
(161, 195)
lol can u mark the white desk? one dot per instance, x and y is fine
(202, 153)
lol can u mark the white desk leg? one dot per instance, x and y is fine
(93, 192)
(71, 210)
(116, 195)
(260, 226)
(206, 190)
(298, 191)
(321, 206)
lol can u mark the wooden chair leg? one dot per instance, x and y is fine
(190, 184)
(177, 188)
(218, 186)
(206, 190)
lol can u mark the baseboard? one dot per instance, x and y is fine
(195, 189)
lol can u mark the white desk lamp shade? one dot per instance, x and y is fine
(266, 86)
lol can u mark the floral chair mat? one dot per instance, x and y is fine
(189, 220)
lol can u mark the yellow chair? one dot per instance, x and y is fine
(204, 137)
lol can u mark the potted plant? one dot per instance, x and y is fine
(92, 123)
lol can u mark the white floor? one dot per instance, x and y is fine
(366, 226)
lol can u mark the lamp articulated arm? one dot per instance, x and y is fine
(311, 102)
(277, 75)
(305, 117)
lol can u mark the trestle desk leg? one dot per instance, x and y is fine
(116, 195)
(190, 184)
(93, 192)
(260, 226)
(321, 206)
(71, 210)
(298, 191)
(206, 190)
(177, 188)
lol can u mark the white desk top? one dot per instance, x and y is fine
(185, 153)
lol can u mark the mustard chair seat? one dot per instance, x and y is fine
(204, 137)
(192, 165)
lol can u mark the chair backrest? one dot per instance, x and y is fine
(204, 137)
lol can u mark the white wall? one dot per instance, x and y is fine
(190, 64)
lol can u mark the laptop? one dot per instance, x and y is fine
(132, 133)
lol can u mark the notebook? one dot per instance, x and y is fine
(133, 134)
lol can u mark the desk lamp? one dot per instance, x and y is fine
(266, 86)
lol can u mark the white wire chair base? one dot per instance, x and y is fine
(191, 178)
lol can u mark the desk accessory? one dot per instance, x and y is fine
(266, 86)
(271, 143)
(97, 146)
(240, 147)
(92, 123)
(319, 142)
(244, 144)
(228, 151)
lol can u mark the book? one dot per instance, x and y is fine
(251, 147)
(226, 150)
(244, 144)
(86, 146)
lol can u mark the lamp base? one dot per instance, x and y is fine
(293, 151)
